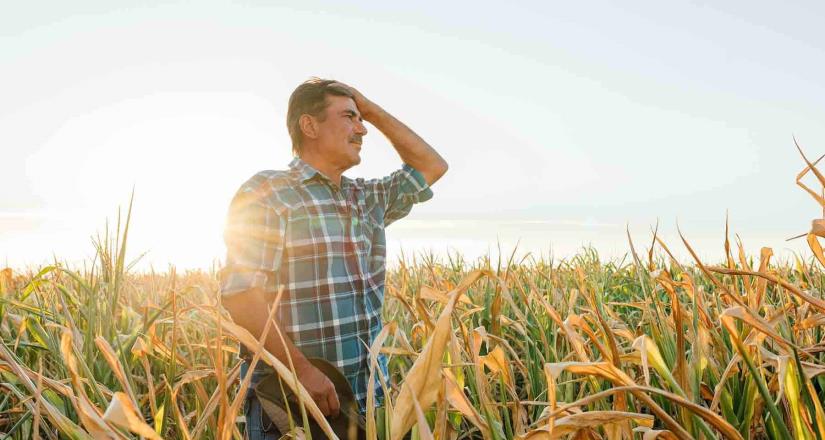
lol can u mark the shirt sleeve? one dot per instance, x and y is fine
(254, 238)
(398, 192)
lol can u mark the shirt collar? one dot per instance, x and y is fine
(304, 170)
(307, 172)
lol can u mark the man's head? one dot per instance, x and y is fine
(323, 120)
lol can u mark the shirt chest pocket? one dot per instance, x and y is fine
(315, 236)
(304, 228)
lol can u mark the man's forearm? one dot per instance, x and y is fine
(250, 310)
(413, 150)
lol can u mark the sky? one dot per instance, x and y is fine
(565, 124)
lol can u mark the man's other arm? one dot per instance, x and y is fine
(249, 310)
(255, 230)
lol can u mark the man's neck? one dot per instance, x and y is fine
(329, 170)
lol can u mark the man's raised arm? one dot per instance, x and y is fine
(414, 151)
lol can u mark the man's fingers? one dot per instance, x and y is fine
(322, 391)
(321, 401)
(332, 401)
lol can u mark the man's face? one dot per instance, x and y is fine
(340, 133)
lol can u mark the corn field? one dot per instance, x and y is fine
(531, 349)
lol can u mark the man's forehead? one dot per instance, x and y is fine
(342, 103)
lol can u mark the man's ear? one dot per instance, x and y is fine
(309, 126)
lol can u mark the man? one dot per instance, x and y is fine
(320, 236)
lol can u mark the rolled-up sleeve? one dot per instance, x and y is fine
(398, 192)
(254, 238)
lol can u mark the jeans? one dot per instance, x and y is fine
(258, 425)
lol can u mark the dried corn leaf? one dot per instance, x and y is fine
(479, 337)
(816, 248)
(755, 321)
(122, 412)
(5, 279)
(111, 359)
(424, 432)
(594, 419)
(89, 415)
(63, 423)
(573, 423)
(424, 377)
(432, 294)
(140, 348)
(458, 400)
(496, 361)
(575, 339)
(507, 322)
(654, 434)
(375, 348)
(810, 167)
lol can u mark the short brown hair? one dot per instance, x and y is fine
(309, 98)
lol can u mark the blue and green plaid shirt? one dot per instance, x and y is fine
(326, 245)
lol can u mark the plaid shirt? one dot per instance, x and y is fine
(326, 246)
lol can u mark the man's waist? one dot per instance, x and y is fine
(342, 350)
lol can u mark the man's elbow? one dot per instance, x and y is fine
(234, 304)
(239, 304)
(442, 167)
(436, 171)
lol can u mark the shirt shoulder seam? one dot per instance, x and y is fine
(274, 188)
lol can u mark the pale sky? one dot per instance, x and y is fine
(562, 122)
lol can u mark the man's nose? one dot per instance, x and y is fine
(360, 128)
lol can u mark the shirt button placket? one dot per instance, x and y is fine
(352, 244)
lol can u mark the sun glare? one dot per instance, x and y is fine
(184, 155)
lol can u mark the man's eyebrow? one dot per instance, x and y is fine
(349, 112)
